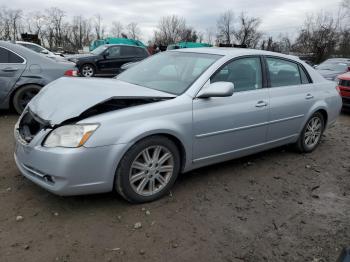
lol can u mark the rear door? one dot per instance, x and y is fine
(130, 54)
(291, 96)
(12, 66)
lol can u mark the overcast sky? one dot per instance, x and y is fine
(278, 16)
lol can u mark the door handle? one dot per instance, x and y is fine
(9, 69)
(261, 104)
(309, 96)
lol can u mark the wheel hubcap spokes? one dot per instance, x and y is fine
(151, 170)
(313, 132)
(87, 71)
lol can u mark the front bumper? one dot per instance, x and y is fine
(69, 171)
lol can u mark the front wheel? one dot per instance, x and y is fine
(311, 135)
(148, 170)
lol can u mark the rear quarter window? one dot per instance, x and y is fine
(8, 57)
(141, 52)
(304, 77)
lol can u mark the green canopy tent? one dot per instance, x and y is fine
(113, 40)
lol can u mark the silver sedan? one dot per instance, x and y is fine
(171, 113)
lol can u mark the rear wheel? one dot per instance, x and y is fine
(311, 135)
(23, 95)
(87, 70)
(148, 170)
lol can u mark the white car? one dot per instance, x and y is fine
(41, 50)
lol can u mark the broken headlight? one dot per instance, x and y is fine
(70, 135)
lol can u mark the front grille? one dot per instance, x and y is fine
(344, 82)
(29, 126)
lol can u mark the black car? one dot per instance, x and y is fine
(106, 60)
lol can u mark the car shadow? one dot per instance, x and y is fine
(191, 179)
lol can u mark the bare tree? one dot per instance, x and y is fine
(98, 27)
(225, 27)
(117, 29)
(189, 35)
(247, 33)
(170, 30)
(282, 44)
(318, 36)
(35, 23)
(134, 31)
(10, 23)
(200, 37)
(55, 22)
(209, 36)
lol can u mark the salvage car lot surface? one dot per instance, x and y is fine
(273, 206)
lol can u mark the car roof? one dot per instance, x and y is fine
(122, 45)
(24, 42)
(25, 52)
(230, 51)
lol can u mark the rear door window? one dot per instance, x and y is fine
(128, 51)
(283, 72)
(8, 57)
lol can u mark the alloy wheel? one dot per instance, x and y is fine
(87, 71)
(313, 132)
(151, 170)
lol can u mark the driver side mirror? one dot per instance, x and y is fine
(45, 52)
(217, 89)
(106, 54)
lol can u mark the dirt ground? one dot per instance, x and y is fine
(273, 206)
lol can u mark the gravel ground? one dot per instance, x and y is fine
(273, 206)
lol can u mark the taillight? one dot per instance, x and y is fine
(338, 89)
(71, 73)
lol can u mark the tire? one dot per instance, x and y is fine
(23, 95)
(138, 188)
(311, 135)
(87, 70)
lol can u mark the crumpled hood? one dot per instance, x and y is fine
(67, 97)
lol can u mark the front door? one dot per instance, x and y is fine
(111, 60)
(231, 126)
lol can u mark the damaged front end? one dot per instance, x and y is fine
(30, 124)
(114, 104)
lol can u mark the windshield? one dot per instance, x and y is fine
(171, 72)
(333, 66)
(99, 50)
